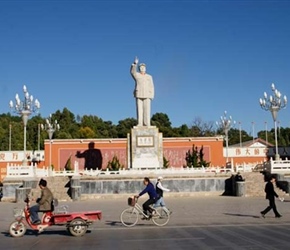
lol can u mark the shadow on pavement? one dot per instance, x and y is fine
(119, 224)
(30, 232)
(114, 223)
(243, 215)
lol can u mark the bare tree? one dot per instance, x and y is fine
(201, 128)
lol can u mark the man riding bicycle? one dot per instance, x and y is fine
(152, 195)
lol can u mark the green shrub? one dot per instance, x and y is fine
(114, 164)
(166, 163)
(194, 158)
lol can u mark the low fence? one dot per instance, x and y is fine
(16, 171)
(278, 166)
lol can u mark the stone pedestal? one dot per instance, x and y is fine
(75, 181)
(145, 148)
(76, 193)
(30, 183)
(21, 194)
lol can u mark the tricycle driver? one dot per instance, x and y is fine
(44, 203)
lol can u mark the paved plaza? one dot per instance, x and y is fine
(198, 222)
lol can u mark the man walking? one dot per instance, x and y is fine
(270, 195)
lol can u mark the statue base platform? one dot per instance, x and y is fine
(145, 148)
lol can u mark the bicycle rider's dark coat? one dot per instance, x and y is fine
(150, 190)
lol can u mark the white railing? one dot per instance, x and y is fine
(33, 171)
(163, 172)
(20, 171)
(16, 171)
(279, 166)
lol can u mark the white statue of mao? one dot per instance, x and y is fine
(143, 92)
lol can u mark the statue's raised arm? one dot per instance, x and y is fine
(136, 60)
(134, 68)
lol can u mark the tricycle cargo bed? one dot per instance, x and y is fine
(89, 216)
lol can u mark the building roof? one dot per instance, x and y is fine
(258, 142)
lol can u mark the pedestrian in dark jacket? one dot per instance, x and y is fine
(150, 189)
(270, 195)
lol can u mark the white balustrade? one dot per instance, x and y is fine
(279, 166)
(16, 171)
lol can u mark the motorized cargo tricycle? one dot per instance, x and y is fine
(76, 223)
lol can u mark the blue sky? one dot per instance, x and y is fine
(205, 56)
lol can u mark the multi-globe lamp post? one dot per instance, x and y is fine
(24, 108)
(274, 103)
(225, 124)
(50, 128)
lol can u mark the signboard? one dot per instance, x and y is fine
(246, 152)
(145, 141)
(18, 156)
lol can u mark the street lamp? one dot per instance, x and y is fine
(253, 131)
(225, 124)
(24, 108)
(266, 132)
(240, 130)
(10, 130)
(50, 127)
(274, 104)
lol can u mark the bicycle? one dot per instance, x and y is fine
(130, 216)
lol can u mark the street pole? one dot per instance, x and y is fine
(50, 127)
(266, 132)
(276, 141)
(25, 114)
(253, 131)
(10, 128)
(225, 124)
(227, 145)
(38, 136)
(240, 128)
(274, 104)
(24, 108)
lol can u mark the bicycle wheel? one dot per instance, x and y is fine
(161, 218)
(129, 217)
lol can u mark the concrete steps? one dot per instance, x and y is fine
(255, 185)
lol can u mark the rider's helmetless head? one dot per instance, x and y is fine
(146, 181)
